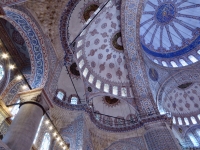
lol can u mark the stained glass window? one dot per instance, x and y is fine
(74, 100)
(60, 95)
(1, 72)
(45, 142)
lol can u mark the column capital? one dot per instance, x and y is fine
(36, 95)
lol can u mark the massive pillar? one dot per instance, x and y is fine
(22, 131)
(159, 137)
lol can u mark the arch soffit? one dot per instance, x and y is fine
(35, 44)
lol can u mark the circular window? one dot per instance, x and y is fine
(1, 72)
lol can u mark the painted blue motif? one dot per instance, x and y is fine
(165, 13)
(185, 50)
(153, 74)
(36, 47)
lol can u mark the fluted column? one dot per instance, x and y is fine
(159, 137)
(22, 131)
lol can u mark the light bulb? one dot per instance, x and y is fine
(24, 87)
(58, 138)
(47, 122)
(50, 128)
(11, 66)
(19, 77)
(54, 134)
(4, 55)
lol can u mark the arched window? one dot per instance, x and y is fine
(180, 121)
(74, 100)
(15, 110)
(198, 116)
(183, 63)
(193, 139)
(45, 142)
(164, 63)
(186, 121)
(1, 72)
(60, 95)
(192, 58)
(38, 130)
(198, 132)
(174, 120)
(173, 64)
(193, 120)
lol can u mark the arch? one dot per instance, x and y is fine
(35, 44)
(45, 142)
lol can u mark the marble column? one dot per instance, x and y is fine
(158, 136)
(22, 131)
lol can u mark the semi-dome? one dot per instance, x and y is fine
(170, 33)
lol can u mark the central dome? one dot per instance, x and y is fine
(170, 32)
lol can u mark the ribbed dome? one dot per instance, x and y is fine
(170, 32)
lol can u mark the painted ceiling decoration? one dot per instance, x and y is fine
(99, 52)
(70, 28)
(170, 32)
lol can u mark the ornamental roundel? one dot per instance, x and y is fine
(165, 13)
(153, 74)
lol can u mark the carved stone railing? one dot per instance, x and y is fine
(110, 123)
